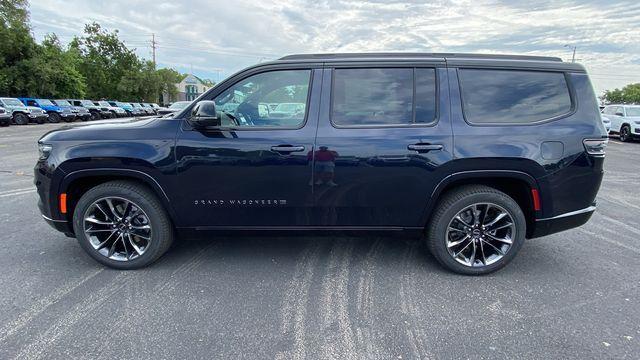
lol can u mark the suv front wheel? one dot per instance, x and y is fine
(476, 230)
(122, 224)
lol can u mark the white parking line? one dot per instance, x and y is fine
(18, 193)
(15, 190)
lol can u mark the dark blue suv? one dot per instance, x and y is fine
(474, 153)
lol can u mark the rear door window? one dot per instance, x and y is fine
(383, 96)
(513, 96)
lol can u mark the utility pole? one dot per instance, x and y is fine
(153, 47)
(573, 57)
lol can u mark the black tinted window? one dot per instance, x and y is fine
(274, 99)
(425, 95)
(382, 96)
(507, 96)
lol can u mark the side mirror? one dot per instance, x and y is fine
(204, 114)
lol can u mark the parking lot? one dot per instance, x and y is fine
(570, 295)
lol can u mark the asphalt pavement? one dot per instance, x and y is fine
(570, 295)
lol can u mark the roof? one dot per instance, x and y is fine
(453, 59)
(400, 55)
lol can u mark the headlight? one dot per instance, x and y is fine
(44, 150)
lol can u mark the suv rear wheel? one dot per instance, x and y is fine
(476, 230)
(123, 225)
(20, 119)
(625, 133)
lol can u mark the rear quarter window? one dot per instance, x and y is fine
(513, 96)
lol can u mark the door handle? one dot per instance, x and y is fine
(424, 147)
(287, 148)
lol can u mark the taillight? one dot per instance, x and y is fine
(595, 146)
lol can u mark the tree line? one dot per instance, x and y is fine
(94, 65)
(629, 94)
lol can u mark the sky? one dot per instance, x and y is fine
(214, 39)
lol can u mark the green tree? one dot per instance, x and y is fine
(52, 72)
(168, 78)
(629, 94)
(105, 61)
(16, 43)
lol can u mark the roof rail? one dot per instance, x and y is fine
(339, 56)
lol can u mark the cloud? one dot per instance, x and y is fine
(208, 35)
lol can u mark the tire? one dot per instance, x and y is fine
(54, 117)
(160, 234)
(440, 239)
(5, 122)
(95, 115)
(625, 133)
(20, 119)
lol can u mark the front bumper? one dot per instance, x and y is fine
(38, 116)
(61, 225)
(562, 222)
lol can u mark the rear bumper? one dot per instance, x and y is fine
(562, 222)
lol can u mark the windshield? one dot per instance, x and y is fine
(45, 102)
(62, 103)
(136, 105)
(121, 104)
(86, 103)
(12, 102)
(633, 111)
(179, 105)
(104, 103)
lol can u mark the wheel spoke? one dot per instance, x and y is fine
(505, 240)
(127, 209)
(98, 222)
(133, 244)
(141, 236)
(451, 228)
(98, 230)
(99, 207)
(458, 242)
(459, 218)
(461, 250)
(493, 246)
(472, 259)
(102, 244)
(484, 258)
(508, 224)
(112, 249)
(113, 209)
(495, 220)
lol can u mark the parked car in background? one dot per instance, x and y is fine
(22, 114)
(127, 107)
(173, 108)
(625, 120)
(606, 122)
(55, 112)
(145, 111)
(513, 172)
(114, 110)
(5, 117)
(148, 107)
(81, 112)
(96, 111)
